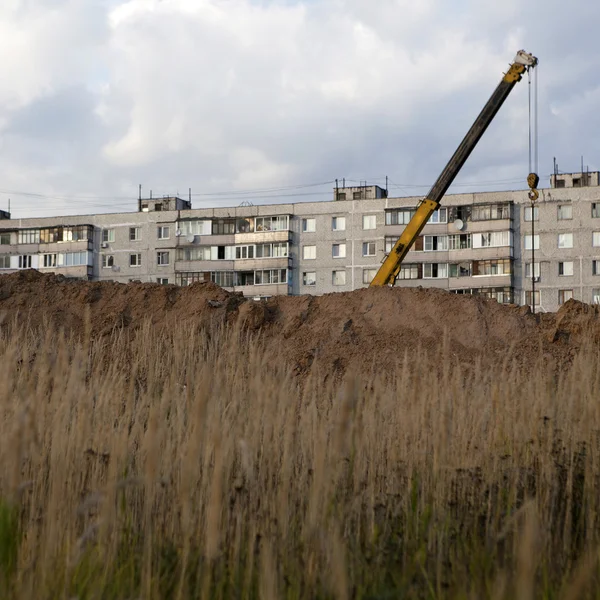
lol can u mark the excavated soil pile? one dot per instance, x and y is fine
(367, 327)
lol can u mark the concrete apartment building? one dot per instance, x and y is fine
(477, 243)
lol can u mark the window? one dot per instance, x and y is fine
(108, 235)
(309, 252)
(357, 195)
(435, 271)
(595, 210)
(564, 295)
(244, 252)
(535, 297)
(369, 222)
(536, 242)
(368, 249)
(4, 239)
(596, 296)
(25, 262)
(439, 216)
(108, 261)
(4, 261)
(338, 277)
(197, 253)
(223, 226)
(222, 278)
(162, 258)
(492, 239)
(28, 236)
(490, 212)
(398, 216)
(341, 196)
(309, 278)
(338, 223)
(565, 212)
(135, 234)
(275, 250)
(565, 268)
(528, 270)
(460, 241)
(491, 267)
(528, 212)
(565, 240)
(338, 250)
(309, 225)
(368, 275)
(135, 260)
(596, 239)
(596, 267)
(186, 228)
(162, 232)
(162, 280)
(272, 223)
(409, 271)
(435, 242)
(270, 276)
(460, 270)
(49, 260)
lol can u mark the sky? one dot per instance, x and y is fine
(268, 101)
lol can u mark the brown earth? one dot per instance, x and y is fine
(360, 329)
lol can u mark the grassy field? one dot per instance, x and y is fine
(185, 464)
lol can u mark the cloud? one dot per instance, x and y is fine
(238, 94)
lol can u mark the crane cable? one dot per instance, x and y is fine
(533, 178)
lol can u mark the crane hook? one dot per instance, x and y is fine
(532, 182)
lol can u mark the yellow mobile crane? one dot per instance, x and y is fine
(391, 265)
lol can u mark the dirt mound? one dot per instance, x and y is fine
(367, 327)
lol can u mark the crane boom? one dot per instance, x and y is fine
(391, 265)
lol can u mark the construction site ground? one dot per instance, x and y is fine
(364, 329)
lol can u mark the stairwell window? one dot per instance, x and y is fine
(369, 222)
(565, 269)
(338, 250)
(565, 212)
(338, 278)
(565, 240)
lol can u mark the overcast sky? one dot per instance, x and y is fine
(236, 97)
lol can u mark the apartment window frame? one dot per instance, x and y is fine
(309, 249)
(528, 211)
(368, 276)
(224, 226)
(439, 216)
(341, 250)
(564, 295)
(108, 236)
(135, 260)
(108, 261)
(338, 277)
(5, 238)
(410, 271)
(596, 210)
(135, 234)
(595, 295)
(399, 216)
(369, 248)
(28, 236)
(595, 239)
(369, 222)
(272, 223)
(25, 261)
(435, 243)
(162, 258)
(270, 276)
(563, 269)
(338, 223)
(490, 212)
(5, 261)
(527, 242)
(435, 270)
(536, 298)
(309, 225)
(162, 280)
(50, 261)
(308, 281)
(537, 269)
(595, 267)
(245, 252)
(564, 212)
(562, 240)
(160, 232)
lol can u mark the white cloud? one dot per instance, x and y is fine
(241, 94)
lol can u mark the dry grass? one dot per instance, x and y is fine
(188, 464)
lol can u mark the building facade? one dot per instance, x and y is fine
(478, 243)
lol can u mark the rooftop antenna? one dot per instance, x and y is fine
(246, 203)
(140, 198)
(190, 194)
